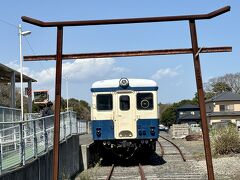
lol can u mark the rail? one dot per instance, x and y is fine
(111, 172)
(183, 158)
(21, 141)
(142, 174)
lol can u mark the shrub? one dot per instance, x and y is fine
(225, 140)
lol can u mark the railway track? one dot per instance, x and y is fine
(169, 162)
(140, 170)
(173, 144)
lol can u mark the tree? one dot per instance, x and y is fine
(5, 94)
(231, 80)
(207, 95)
(169, 115)
(220, 87)
(81, 107)
(5, 99)
(162, 108)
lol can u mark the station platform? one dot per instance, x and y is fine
(85, 139)
(88, 151)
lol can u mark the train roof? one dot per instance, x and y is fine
(134, 84)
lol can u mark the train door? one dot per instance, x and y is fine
(125, 115)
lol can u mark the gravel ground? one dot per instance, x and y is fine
(224, 166)
(172, 167)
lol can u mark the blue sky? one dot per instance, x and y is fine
(174, 74)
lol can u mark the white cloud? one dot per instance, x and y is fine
(78, 70)
(81, 70)
(166, 72)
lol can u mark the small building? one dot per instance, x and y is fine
(189, 114)
(223, 109)
(9, 75)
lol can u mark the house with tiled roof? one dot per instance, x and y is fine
(223, 109)
(189, 114)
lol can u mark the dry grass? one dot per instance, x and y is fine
(225, 141)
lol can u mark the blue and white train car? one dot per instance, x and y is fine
(125, 115)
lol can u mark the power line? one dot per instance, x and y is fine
(66, 77)
(8, 23)
(29, 45)
(35, 54)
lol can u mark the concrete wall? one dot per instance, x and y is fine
(41, 168)
(90, 156)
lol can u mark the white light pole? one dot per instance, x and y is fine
(21, 33)
(67, 90)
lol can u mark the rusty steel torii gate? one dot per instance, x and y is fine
(195, 50)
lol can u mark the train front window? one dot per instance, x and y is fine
(124, 103)
(144, 101)
(104, 102)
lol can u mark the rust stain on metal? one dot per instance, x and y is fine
(127, 21)
(201, 100)
(128, 53)
(57, 103)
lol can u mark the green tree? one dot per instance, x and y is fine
(81, 107)
(5, 99)
(220, 87)
(169, 115)
(207, 95)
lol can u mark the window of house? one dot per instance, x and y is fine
(229, 107)
(104, 102)
(124, 103)
(144, 101)
(222, 107)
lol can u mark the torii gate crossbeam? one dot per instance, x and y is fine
(195, 50)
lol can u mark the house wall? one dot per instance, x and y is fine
(232, 119)
(216, 108)
(209, 107)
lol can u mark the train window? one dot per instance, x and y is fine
(104, 102)
(124, 103)
(144, 101)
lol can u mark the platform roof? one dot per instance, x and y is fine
(6, 73)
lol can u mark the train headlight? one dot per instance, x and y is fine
(152, 131)
(124, 83)
(98, 132)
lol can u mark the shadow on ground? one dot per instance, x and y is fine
(153, 159)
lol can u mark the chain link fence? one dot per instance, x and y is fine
(21, 141)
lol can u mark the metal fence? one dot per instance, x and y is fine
(84, 127)
(9, 114)
(24, 140)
